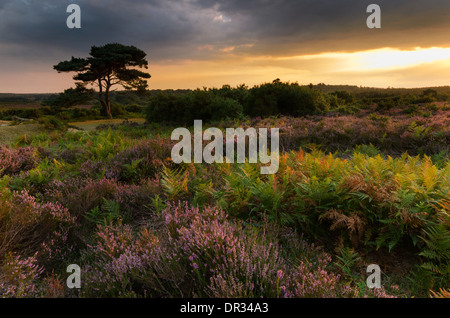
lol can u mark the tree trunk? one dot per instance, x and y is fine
(108, 104)
(103, 97)
(108, 110)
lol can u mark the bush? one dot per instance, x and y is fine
(200, 253)
(79, 113)
(198, 104)
(165, 107)
(32, 228)
(135, 108)
(28, 113)
(51, 123)
(270, 99)
(279, 98)
(344, 96)
(117, 110)
(13, 161)
(70, 97)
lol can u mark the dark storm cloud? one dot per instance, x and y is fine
(310, 26)
(176, 29)
(41, 25)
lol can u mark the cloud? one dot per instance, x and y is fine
(310, 26)
(34, 36)
(274, 27)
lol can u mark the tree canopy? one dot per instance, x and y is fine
(107, 66)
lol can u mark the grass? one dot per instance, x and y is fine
(9, 134)
(91, 125)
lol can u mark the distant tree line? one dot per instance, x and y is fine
(269, 99)
(272, 99)
(182, 107)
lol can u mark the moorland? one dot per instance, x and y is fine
(364, 178)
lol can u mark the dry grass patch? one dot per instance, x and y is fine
(93, 124)
(9, 134)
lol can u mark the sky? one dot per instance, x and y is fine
(209, 43)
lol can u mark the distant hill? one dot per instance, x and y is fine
(22, 98)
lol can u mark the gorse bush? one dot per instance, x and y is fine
(70, 97)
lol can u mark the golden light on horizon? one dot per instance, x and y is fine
(384, 67)
(393, 58)
(377, 59)
(378, 68)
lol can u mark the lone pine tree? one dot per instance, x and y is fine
(107, 66)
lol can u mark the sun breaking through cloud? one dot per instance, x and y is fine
(196, 43)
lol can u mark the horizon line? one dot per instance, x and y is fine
(187, 89)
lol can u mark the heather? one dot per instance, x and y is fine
(14, 160)
(391, 133)
(194, 253)
(355, 186)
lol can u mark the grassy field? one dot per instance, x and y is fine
(93, 124)
(8, 134)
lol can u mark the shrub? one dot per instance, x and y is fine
(344, 97)
(198, 104)
(135, 108)
(199, 253)
(70, 97)
(51, 123)
(81, 196)
(84, 196)
(32, 228)
(165, 107)
(279, 98)
(141, 161)
(19, 278)
(117, 110)
(15, 160)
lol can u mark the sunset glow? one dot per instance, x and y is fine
(194, 44)
(393, 58)
(425, 66)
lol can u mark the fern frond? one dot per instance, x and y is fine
(443, 293)
(174, 182)
(353, 223)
